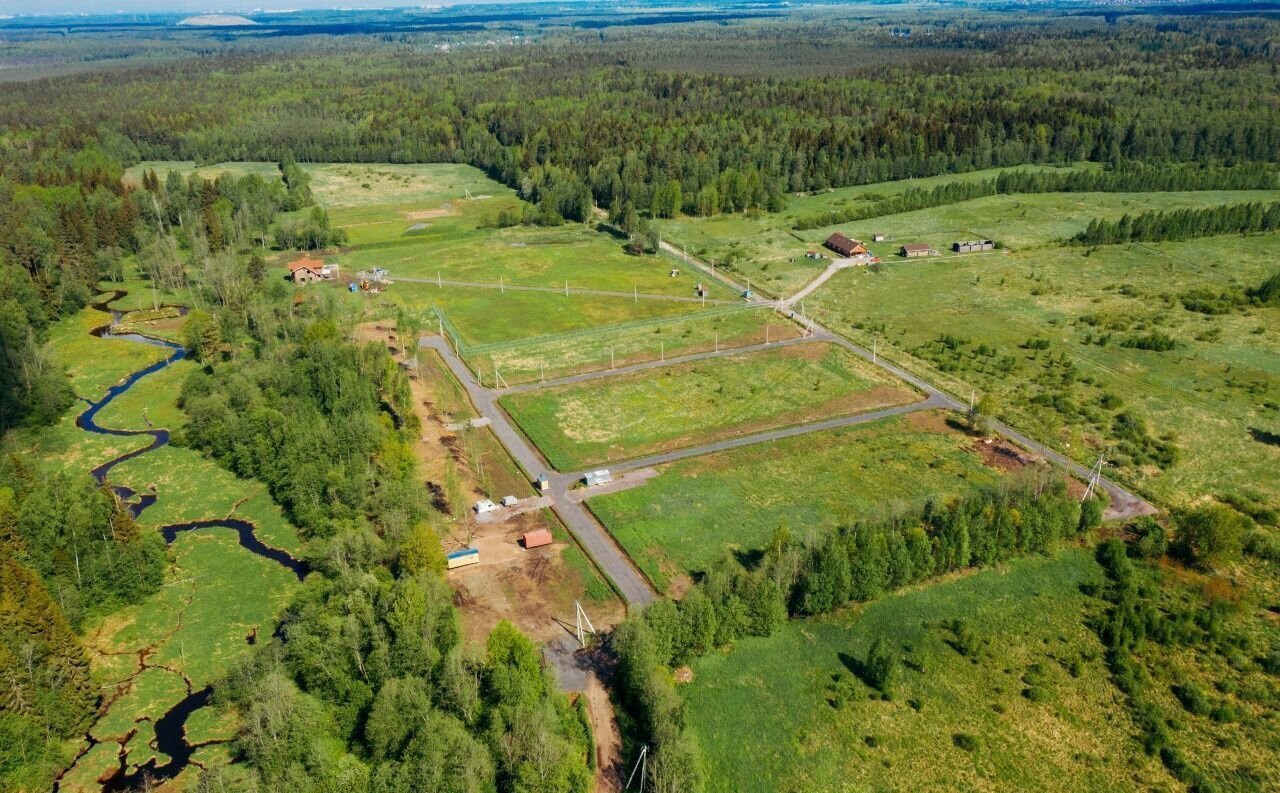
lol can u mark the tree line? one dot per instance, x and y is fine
(1127, 178)
(859, 562)
(367, 686)
(69, 551)
(1182, 224)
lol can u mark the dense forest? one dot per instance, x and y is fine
(703, 123)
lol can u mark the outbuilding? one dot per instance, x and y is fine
(509, 501)
(306, 270)
(593, 478)
(877, 238)
(542, 483)
(969, 246)
(484, 505)
(536, 539)
(914, 249)
(462, 558)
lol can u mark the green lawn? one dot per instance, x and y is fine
(696, 510)
(698, 402)
(620, 345)
(1221, 382)
(812, 726)
(487, 315)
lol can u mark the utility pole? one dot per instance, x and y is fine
(874, 341)
(439, 283)
(639, 766)
(662, 350)
(502, 288)
(635, 294)
(566, 287)
(1095, 479)
(717, 340)
(610, 357)
(543, 366)
(581, 615)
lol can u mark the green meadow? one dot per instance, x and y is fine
(524, 361)
(969, 322)
(955, 721)
(698, 402)
(696, 510)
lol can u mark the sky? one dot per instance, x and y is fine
(27, 7)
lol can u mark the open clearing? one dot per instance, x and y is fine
(697, 510)
(1212, 391)
(693, 403)
(526, 361)
(812, 725)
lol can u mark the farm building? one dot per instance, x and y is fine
(307, 270)
(913, 249)
(813, 255)
(845, 246)
(462, 558)
(536, 539)
(972, 245)
(542, 483)
(484, 505)
(509, 501)
(877, 238)
(593, 478)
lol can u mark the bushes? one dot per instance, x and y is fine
(1211, 535)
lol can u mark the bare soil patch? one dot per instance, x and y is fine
(427, 214)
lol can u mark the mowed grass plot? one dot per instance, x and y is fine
(955, 722)
(484, 316)
(969, 322)
(631, 343)
(699, 402)
(697, 510)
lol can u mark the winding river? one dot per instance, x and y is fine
(171, 738)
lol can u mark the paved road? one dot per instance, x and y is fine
(1124, 504)
(573, 290)
(640, 367)
(590, 534)
(809, 288)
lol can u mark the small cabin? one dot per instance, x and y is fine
(542, 483)
(484, 505)
(593, 478)
(536, 539)
(914, 249)
(462, 558)
(877, 238)
(509, 501)
(968, 246)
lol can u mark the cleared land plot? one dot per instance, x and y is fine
(954, 722)
(1217, 391)
(697, 510)
(483, 316)
(764, 246)
(699, 402)
(601, 348)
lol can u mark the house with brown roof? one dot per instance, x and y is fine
(307, 270)
(844, 246)
(913, 249)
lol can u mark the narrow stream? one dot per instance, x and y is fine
(171, 739)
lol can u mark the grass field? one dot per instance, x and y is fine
(697, 510)
(765, 247)
(692, 403)
(526, 361)
(954, 722)
(1220, 383)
